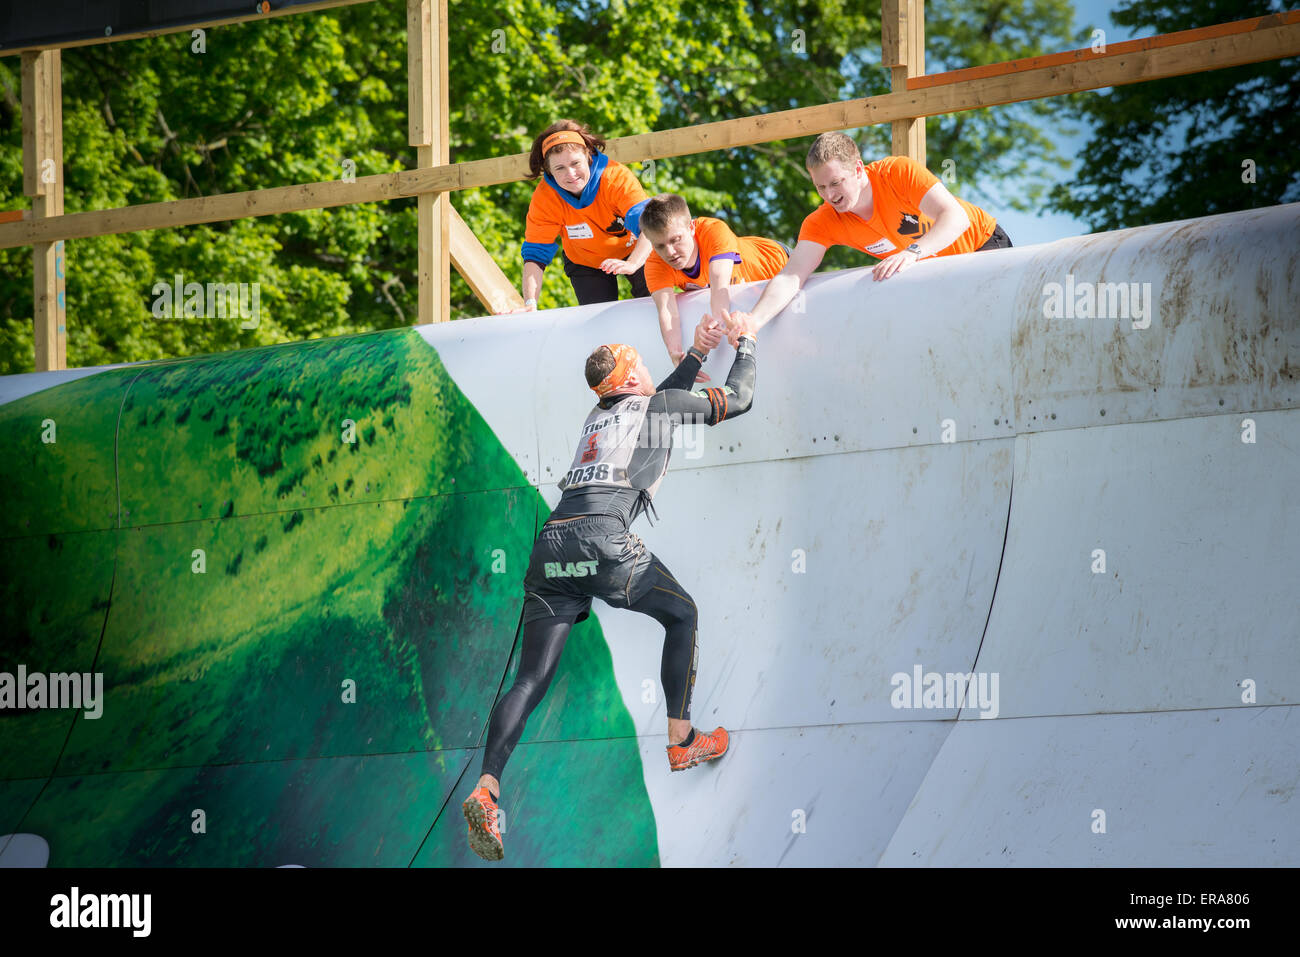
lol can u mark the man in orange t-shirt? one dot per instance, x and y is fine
(697, 253)
(894, 209)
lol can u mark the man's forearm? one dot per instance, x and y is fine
(533, 274)
(781, 289)
(947, 229)
(640, 253)
(719, 299)
(736, 397)
(683, 377)
(671, 330)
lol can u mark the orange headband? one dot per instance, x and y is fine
(625, 361)
(563, 136)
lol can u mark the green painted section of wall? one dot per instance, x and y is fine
(323, 560)
(15, 798)
(67, 484)
(54, 599)
(357, 811)
(586, 829)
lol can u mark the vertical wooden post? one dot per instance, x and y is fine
(902, 41)
(43, 182)
(429, 127)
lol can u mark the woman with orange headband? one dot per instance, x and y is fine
(593, 205)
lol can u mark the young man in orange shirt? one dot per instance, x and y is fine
(697, 253)
(894, 209)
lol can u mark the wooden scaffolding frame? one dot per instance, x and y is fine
(446, 241)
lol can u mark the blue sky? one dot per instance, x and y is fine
(1025, 229)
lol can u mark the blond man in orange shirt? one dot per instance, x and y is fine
(701, 252)
(894, 209)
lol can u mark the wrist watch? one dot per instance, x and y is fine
(914, 248)
(702, 356)
(530, 302)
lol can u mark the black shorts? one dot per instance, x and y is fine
(592, 285)
(998, 240)
(585, 558)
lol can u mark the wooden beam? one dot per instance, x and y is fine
(213, 209)
(429, 131)
(893, 16)
(1157, 42)
(1112, 69)
(908, 39)
(187, 27)
(419, 72)
(43, 182)
(492, 287)
(916, 37)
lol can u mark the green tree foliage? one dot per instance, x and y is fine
(1175, 149)
(289, 100)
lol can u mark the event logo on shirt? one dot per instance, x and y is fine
(617, 227)
(909, 225)
(590, 452)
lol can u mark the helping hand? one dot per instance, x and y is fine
(618, 267)
(738, 324)
(708, 334)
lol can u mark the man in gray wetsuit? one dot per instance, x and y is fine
(585, 550)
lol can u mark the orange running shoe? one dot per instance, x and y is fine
(484, 835)
(705, 747)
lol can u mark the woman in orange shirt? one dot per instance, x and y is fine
(592, 205)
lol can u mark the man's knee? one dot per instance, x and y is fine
(689, 605)
(683, 611)
(532, 686)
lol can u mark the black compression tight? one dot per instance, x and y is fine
(543, 641)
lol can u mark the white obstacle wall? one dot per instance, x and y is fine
(832, 538)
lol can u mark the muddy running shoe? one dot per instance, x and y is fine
(484, 835)
(705, 747)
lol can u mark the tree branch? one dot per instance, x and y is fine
(169, 139)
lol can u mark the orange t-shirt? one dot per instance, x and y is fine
(591, 226)
(754, 256)
(897, 186)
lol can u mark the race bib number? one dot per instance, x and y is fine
(881, 247)
(580, 231)
(590, 473)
